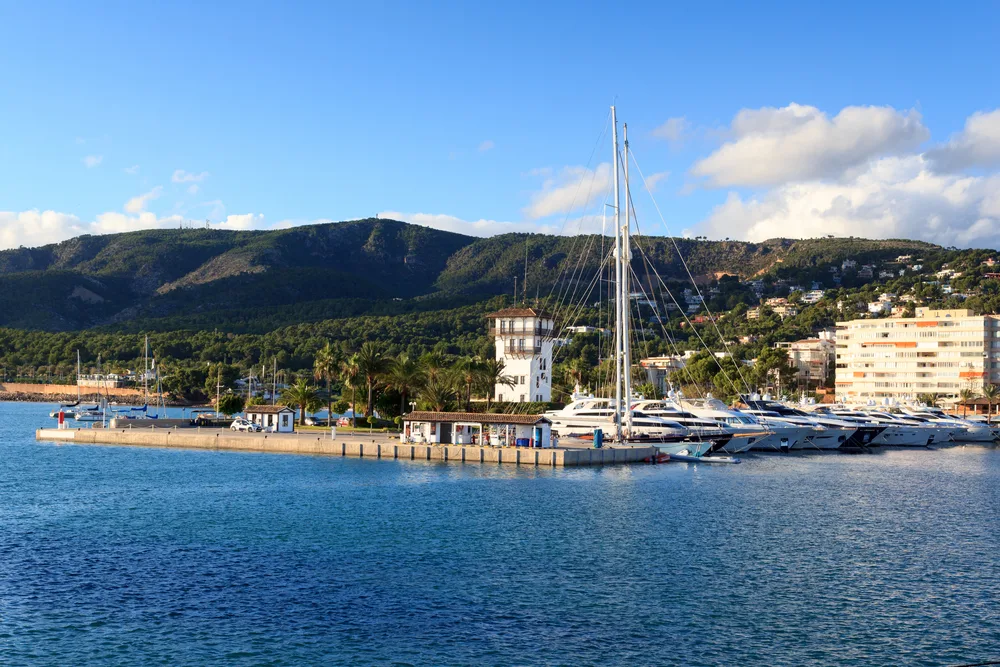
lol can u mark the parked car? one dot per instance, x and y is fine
(344, 421)
(245, 425)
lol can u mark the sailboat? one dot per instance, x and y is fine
(64, 407)
(626, 425)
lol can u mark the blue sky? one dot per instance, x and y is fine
(483, 118)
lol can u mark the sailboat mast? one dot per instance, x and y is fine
(78, 394)
(627, 295)
(618, 282)
(145, 373)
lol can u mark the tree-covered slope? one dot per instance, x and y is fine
(256, 281)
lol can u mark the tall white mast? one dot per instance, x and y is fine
(145, 373)
(618, 282)
(626, 296)
(78, 376)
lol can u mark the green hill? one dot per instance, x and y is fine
(257, 281)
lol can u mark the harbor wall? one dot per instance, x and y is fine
(309, 444)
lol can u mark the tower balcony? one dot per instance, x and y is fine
(513, 349)
(540, 331)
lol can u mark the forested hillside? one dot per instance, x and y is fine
(253, 281)
(243, 299)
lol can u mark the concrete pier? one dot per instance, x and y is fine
(355, 446)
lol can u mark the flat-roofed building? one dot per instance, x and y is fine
(813, 358)
(937, 352)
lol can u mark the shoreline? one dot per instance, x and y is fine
(33, 397)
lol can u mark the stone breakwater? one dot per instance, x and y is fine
(356, 446)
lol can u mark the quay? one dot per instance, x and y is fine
(376, 446)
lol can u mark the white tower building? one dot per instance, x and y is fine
(523, 339)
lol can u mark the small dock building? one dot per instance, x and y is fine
(273, 418)
(470, 428)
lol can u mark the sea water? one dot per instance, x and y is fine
(127, 555)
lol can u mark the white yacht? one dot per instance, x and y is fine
(898, 431)
(828, 432)
(771, 436)
(583, 416)
(731, 438)
(961, 430)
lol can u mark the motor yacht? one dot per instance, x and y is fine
(898, 431)
(961, 430)
(582, 417)
(729, 438)
(827, 432)
(774, 435)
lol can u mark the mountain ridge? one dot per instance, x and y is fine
(349, 268)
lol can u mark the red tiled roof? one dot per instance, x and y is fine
(520, 312)
(268, 409)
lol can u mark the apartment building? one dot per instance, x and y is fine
(812, 357)
(936, 352)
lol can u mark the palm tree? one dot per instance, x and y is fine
(301, 395)
(350, 372)
(325, 368)
(405, 375)
(965, 397)
(493, 373)
(433, 365)
(372, 364)
(576, 370)
(991, 393)
(438, 396)
(927, 399)
(468, 372)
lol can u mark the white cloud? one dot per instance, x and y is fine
(138, 204)
(133, 170)
(486, 145)
(181, 176)
(587, 224)
(244, 221)
(34, 228)
(574, 188)
(795, 143)
(652, 180)
(674, 130)
(193, 189)
(978, 145)
(450, 223)
(92, 161)
(895, 197)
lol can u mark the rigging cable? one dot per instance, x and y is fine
(688, 270)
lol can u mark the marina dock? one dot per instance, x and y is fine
(377, 446)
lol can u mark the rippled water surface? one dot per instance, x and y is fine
(115, 555)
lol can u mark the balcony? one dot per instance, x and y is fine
(543, 332)
(513, 349)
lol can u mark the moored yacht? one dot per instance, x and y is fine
(828, 432)
(731, 438)
(898, 431)
(961, 430)
(583, 416)
(771, 436)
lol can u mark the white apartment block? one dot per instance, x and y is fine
(936, 352)
(523, 338)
